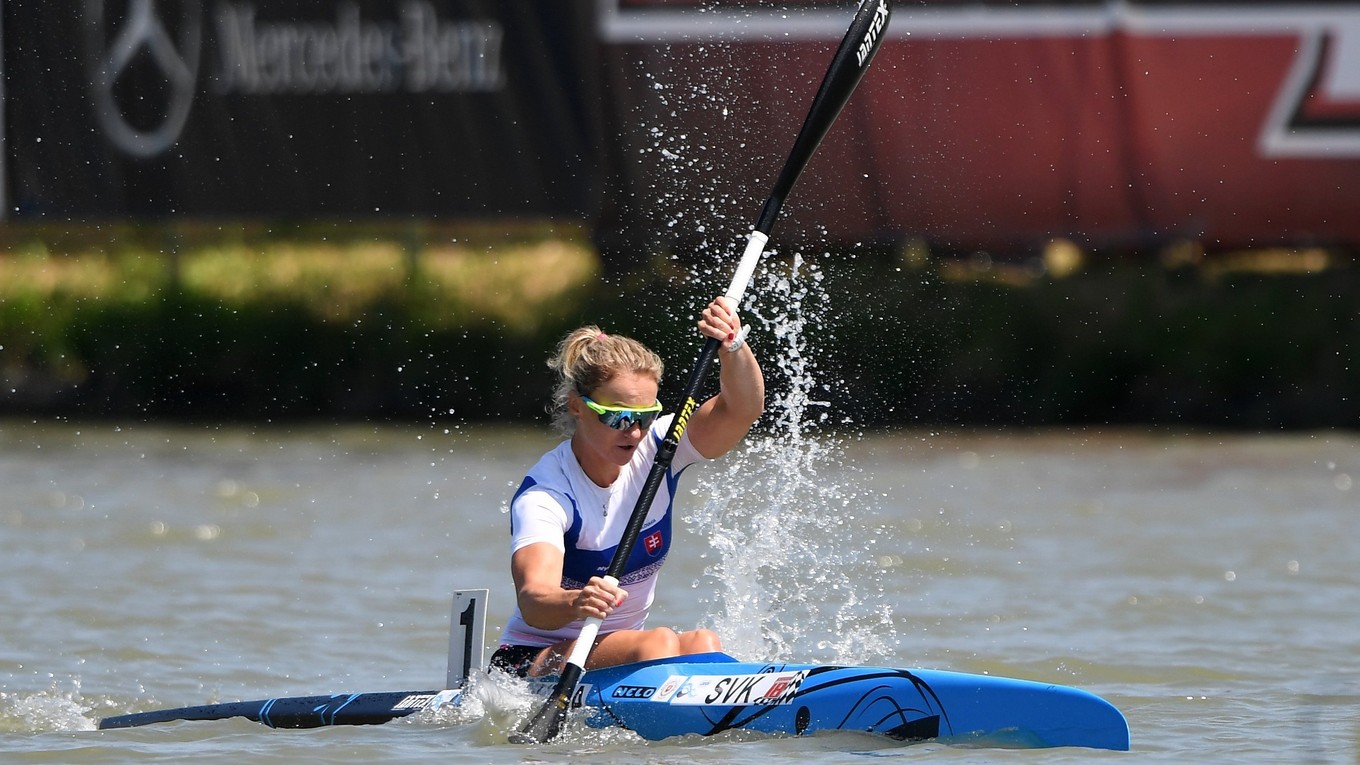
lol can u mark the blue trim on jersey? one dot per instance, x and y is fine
(573, 534)
(527, 484)
(578, 565)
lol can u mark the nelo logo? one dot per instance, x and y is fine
(144, 58)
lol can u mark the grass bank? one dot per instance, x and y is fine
(418, 321)
(253, 321)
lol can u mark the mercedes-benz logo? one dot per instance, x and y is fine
(140, 38)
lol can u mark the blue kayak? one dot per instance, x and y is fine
(707, 694)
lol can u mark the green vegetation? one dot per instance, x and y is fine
(418, 321)
(330, 322)
(1224, 342)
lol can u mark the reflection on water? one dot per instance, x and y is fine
(1205, 584)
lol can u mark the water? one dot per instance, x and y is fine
(1206, 585)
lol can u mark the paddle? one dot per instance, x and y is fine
(852, 59)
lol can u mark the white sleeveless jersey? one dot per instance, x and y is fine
(558, 504)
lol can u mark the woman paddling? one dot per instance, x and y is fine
(568, 515)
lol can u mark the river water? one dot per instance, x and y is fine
(1207, 585)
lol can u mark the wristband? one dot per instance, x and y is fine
(736, 345)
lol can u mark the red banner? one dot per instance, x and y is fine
(999, 126)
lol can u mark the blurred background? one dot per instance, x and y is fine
(1030, 213)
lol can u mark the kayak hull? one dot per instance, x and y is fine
(712, 693)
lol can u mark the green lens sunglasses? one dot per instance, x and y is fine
(624, 417)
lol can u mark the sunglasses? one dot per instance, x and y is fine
(624, 417)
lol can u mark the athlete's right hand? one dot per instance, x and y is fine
(598, 598)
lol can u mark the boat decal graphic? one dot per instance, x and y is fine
(414, 701)
(759, 689)
(884, 714)
(264, 713)
(328, 711)
(668, 688)
(933, 705)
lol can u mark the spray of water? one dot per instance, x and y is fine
(55, 709)
(794, 568)
(793, 575)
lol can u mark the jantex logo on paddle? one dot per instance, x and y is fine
(871, 37)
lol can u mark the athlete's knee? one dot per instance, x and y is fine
(661, 643)
(700, 641)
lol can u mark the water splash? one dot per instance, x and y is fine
(794, 576)
(795, 572)
(493, 705)
(45, 711)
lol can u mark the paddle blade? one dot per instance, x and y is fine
(547, 722)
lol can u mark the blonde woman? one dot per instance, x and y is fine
(569, 513)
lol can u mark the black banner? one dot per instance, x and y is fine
(304, 107)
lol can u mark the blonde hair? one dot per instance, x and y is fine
(588, 358)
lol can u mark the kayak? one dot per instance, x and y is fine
(708, 694)
(711, 693)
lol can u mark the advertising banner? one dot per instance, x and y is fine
(998, 125)
(984, 125)
(300, 108)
